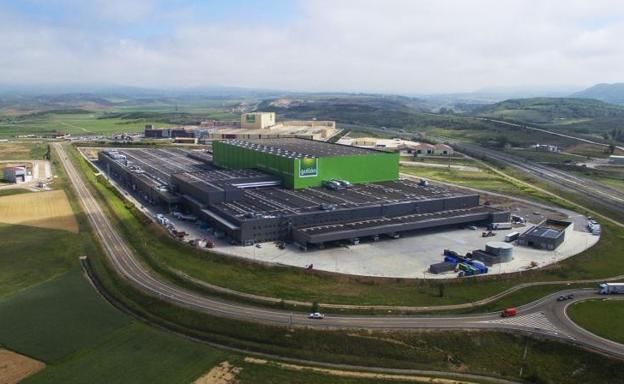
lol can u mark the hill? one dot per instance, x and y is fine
(396, 112)
(611, 93)
(544, 110)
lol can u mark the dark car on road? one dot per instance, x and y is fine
(565, 297)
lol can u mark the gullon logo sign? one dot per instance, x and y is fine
(308, 167)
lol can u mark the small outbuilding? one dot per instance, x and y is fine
(549, 234)
(15, 174)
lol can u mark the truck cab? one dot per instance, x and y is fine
(611, 288)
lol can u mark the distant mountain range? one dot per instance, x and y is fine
(611, 93)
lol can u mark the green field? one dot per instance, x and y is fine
(13, 191)
(120, 116)
(57, 318)
(602, 317)
(32, 255)
(22, 150)
(134, 353)
(484, 179)
(75, 124)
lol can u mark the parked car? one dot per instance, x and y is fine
(316, 316)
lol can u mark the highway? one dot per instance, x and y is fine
(549, 132)
(601, 195)
(544, 317)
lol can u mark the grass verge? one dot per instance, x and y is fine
(602, 317)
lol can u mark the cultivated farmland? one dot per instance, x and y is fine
(41, 209)
(15, 367)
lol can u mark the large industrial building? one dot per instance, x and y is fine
(252, 125)
(406, 147)
(276, 189)
(307, 163)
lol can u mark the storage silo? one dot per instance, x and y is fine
(502, 250)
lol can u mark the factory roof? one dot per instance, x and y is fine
(299, 148)
(279, 201)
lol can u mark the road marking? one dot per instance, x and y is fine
(535, 320)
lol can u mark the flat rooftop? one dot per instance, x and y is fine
(550, 229)
(161, 163)
(158, 166)
(209, 180)
(299, 148)
(279, 201)
(548, 233)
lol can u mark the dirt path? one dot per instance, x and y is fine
(223, 373)
(356, 374)
(74, 126)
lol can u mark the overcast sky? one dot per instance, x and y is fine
(408, 47)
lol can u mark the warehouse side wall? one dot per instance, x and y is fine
(303, 173)
(355, 169)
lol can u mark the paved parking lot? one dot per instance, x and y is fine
(409, 256)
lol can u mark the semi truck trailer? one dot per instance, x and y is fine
(498, 226)
(513, 236)
(610, 288)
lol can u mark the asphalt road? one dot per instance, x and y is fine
(600, 194)
(554, 133)
(545, 316)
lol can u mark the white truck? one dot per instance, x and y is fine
(498, 226)
(512, 236)
(610, 288)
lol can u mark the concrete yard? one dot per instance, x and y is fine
(406, 257)
(410, 256)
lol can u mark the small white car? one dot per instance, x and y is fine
(316, 316)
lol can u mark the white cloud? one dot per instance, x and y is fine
(387, 46)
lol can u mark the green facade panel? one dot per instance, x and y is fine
(355, 169)
(310, 172)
